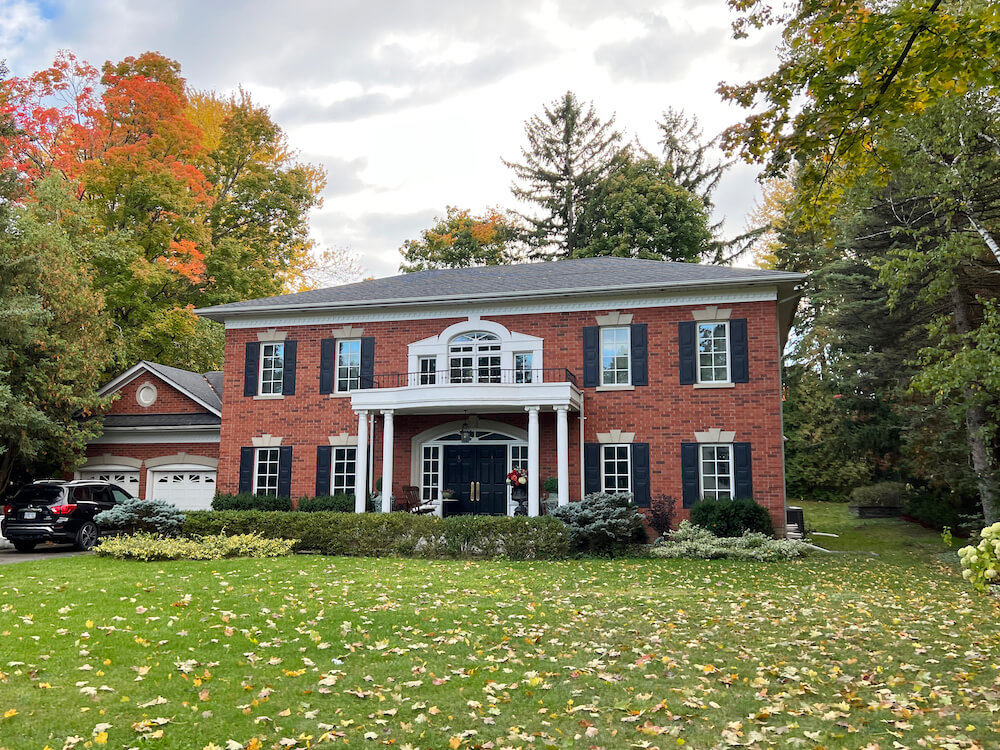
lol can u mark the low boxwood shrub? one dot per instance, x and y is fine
(880, 494)
(215, 547)
(981, 562)
(148, 516)
(341, 503)
(400, 534)
(603, 524)
(731, 517)
(250, 501)
(700, 543)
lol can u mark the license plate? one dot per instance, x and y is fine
(29, 515)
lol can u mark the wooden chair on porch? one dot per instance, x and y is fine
(410, 502)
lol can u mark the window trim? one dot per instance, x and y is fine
(337, 391)
(348, 486)
(524, 375)
(697, 354)
(701, 471)
(256, 468)
(427, 376)
(628, 453)
(627, 385)
(281, 371)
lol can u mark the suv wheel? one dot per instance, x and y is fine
(22, 546)
(86, 537)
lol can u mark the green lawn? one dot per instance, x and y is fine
(838, 651)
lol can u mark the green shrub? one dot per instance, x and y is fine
(250, 501)
(341, 503)
(700, 543)
(401, 534)
(938, 509)
(148, 516)
(661, 513)
(731, 517)
(216, 547)
(603, 524)
(881, 495)
(981, 562)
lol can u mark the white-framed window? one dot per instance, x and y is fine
(430, 472)
(615, 356)
(616, 468)
(474, 357)
(342, 470)
(713, 352)
(716, 466)
(348, 365)
(272, 368)
(522, 367)
(519, 456)
(265, 472)
(428, 370)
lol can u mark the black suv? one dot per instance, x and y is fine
(56, 511)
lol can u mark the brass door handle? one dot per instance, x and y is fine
(479, 492)
(472, 492)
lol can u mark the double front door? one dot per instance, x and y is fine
(477, 475)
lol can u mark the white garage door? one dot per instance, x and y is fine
(127, 480)
(187, 489)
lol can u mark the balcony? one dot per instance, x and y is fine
(458, 390)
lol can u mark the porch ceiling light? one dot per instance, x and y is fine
(465, 433)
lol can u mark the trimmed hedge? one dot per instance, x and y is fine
(726, 518)
(250, 501)
(399, 534)
(149, 547)
(880, 495)
(340, 503)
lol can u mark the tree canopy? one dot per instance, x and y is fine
(460, 240)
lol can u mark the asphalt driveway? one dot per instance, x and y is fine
(41, 552)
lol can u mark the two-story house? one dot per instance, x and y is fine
(608, 374)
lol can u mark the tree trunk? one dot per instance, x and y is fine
(975, 422)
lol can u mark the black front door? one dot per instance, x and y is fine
(477, 475)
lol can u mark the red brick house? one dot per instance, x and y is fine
(603, 373)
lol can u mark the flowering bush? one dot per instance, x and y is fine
(981, 562)
(699, 543)
(517, 477)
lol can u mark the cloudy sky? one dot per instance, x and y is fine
(411, 105)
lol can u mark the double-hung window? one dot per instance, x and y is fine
(616, 471)
(428, 370)
(348, 365)
(615, 356)
(713, 352)
(716, 466)
(272, 367)
(342, 470)
(522, 367)
(265, 475)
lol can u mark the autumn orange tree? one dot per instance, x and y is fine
(198, 198)
(462, 239)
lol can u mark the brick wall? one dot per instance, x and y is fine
(664, 413)
(168, 399)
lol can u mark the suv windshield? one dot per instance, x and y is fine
(38, 493)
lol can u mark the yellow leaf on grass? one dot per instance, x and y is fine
(9, 713)
(454, 742)
(101, 738)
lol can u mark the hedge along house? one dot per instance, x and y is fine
(608, 374)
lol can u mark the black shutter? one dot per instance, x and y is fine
(591, 468)
(640, 474)
(285, 471)
(368, 362)
(251, 368)
(687, 349)
(288, 368)
(327, 364)
(323, 454)
(690, 491)
(742, 474)
(739, 351)
(591, 356)
(640, 369)
(246, 470)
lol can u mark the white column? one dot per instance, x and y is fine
(562, 453)
(387, 460)
(532, 460)
(361, 465)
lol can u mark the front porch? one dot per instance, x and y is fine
(460, 462)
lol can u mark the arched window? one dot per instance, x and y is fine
(474, 357)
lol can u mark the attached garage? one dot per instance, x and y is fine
(127, 480)
(188, 487)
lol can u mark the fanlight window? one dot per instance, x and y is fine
(474, 357)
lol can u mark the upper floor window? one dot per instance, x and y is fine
(348, 365)
(428, 370)
(522, 367)
(474, 357)
(713, 352)
(615, 356)
(272, 367)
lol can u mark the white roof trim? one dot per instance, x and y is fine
(133, 372)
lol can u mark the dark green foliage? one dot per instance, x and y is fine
(882, 494)
(661, 516)
(731, 517)
(402, 534)
(939, 508)
(142, 516)
(250, 501)
(551, 485)
(341, 503)
(603, 524)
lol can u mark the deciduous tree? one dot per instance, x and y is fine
(461, 239)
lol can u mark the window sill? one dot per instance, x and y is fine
(268, 396)
(341, 394)
(616, 388)
(710, 386)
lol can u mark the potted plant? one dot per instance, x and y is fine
(518, 481)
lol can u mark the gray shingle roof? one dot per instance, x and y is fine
(522, 280)
(200, 385)
(161, 420)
